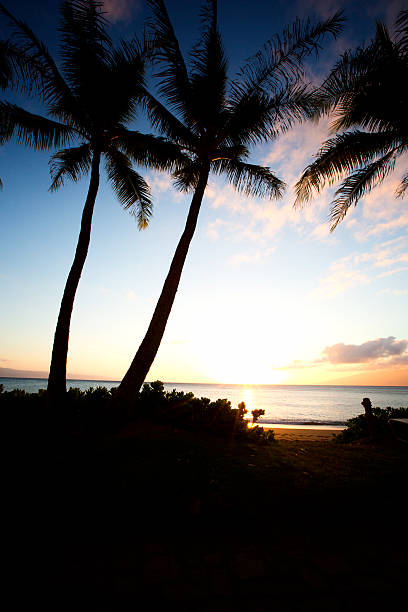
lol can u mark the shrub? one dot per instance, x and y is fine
(258, 412)
(185, 411)
(357, 427)
(82, 411)
(95, 411)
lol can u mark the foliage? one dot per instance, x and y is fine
(97, 411)
(91, 70)
(79, 411)
(366, 95)
(357, 427)
(185, 411)
(258, 412)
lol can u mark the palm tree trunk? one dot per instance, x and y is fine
(140, 366)
(58, 368)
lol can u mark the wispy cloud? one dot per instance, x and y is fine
(343, 275)
(362, 268)
(120, 10)
(250, 257)
(323, 8)
(233, 231)
(397, 292)
(265, 219)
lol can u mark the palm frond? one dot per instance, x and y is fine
(208, 74)
(17, 70)
(124, 82)
(85, 44)
(262, 118)
(280, 61)
(186, 178)
(359, 87)
(341, 155)
(167, 123)
(131, 189)
(53, 86)
(250, 179)
(151, 151)
(6, 67)
(174, 80)
(30, 129)
(357, 184)
(69, 163)
(294, 104)
(401, 191)
(402, 30)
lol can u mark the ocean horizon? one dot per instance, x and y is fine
(284, 405)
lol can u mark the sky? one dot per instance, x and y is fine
(268, 295)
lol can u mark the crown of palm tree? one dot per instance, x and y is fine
(366, 90)
(88, 102)
(216, 119)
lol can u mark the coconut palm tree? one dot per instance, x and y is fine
(364, 91)
(216, 121)
(89, 102)
(17, 71)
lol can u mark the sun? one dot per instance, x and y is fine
(243, 365)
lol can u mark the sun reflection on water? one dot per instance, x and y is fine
(248, 399)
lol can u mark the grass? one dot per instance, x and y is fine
(158, 516)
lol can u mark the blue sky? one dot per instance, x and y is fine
(268, 295)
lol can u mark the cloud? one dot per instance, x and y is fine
(343, 276)
(294, 150)
(395, 271)
(259, 254)
(323, 8)
(161, 182)
(356, 269)
(380, 354)
(120, 10)
(263, 218)
(397, 292)
(373, 350)
(234, 231)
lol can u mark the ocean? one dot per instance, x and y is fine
(284, 405)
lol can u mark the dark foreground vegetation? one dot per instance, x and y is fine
(172, 508)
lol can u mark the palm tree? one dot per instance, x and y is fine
(216, 121)
(89, 102)
(17, 71)
(364, 90)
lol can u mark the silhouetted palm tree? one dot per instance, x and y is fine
(17, 71)
(216, 121)
(367, 89)
(90, 100)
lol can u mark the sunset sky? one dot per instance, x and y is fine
(267, 295)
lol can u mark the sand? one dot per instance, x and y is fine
(302, 435)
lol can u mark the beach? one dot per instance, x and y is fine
(297, 434)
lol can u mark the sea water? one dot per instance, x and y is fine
(290, 405)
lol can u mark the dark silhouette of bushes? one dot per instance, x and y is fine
(78, 412)
(97, 411)
(185, 411)
(357, 427)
